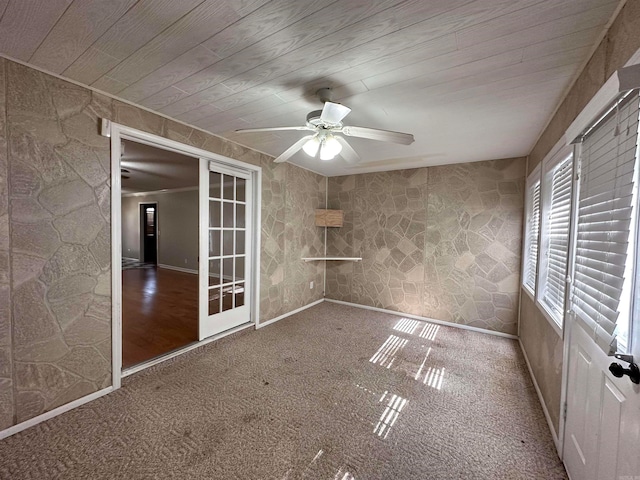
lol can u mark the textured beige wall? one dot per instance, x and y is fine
(6, 360)
(55, 264)
(178, 218)
(545, 354)
(539, 339)
(59, 233)
(440, 242)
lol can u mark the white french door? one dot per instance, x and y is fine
(225, 248)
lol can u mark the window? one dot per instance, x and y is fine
(606, 224)
(530, 261)
(554, 238)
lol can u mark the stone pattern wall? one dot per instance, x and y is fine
(55, 250)
(6, 361)
(620, 43)
(474, 239)
(305, 192)
(59, 233)
(440, 242)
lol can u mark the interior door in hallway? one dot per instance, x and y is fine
(149, 232)
(225, 248)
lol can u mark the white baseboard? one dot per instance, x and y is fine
(292, 312)
(53, 413)
(131, 258)
(541, 398)
(425, 319)
(178, 269)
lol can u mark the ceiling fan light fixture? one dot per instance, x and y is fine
(312, 146)
(330, 148)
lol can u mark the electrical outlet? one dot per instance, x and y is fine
(185, 261)
(311, 285)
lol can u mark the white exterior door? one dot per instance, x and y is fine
(602, 429)
(602, 433)
(225, 248)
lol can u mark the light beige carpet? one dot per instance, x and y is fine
(333, 392)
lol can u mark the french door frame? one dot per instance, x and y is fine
(118, 133)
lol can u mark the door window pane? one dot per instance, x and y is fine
(228, 187)
(214, 243)
(227, 270)
(214, 301)
(240, 216)
(240, 242)
(214, 185)
(227, 298)
(214, 272)
(228, 242)
(238, 292)
(214, 214)
(239, 275)
(227, 214)
(240, 189)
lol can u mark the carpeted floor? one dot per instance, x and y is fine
(333, 392)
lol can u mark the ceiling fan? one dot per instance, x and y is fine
(327, 129)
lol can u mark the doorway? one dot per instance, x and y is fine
(149, 232)
(159, 211)
(177, 273)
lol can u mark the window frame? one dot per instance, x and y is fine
(533, 179)
(554, 159)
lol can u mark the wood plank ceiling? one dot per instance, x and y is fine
(471, 79)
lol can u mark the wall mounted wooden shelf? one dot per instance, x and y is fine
(329, 218)
(344, 259)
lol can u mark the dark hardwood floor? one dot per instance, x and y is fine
(159, 313)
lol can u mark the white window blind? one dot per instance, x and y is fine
(532, 233)
(607, 171)
(556, 235)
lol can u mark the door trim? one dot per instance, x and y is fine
(118, 132)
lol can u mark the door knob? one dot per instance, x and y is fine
(619, 371)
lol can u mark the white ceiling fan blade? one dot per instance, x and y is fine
(380, 135)
(348, 153)
(292, 150)
(272, 129)
(333, 113)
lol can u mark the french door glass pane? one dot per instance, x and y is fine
(227, 298)
(214, 301)
(228, 187)
(214, 272)
(214, 243)
(215, 219)
(240, 242)
(227, 215)
(238, 291)
(227, 270)
(239, 275)
(215, 180)
(240, 189)
(227, 239)
(240, 216)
